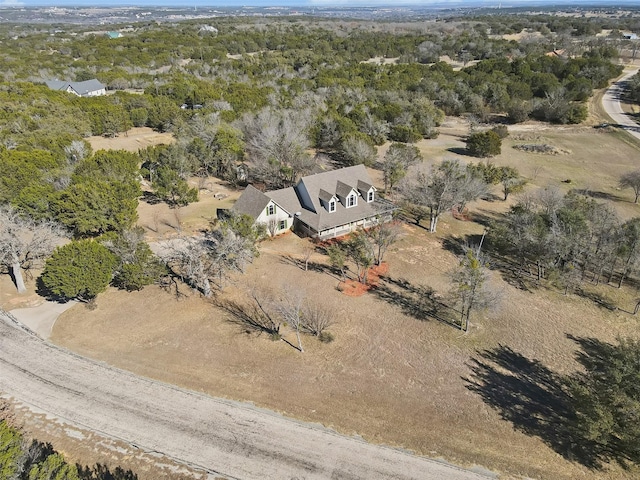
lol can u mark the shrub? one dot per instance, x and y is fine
(484, 144)
(501, 130)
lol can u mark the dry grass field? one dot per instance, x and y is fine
(394, 374)
(133, 140)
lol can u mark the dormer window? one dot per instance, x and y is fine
(332, 206)
(370, 196)
(352, 200)
(271, 209)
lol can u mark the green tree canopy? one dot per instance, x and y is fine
(484, 144)
(93, 207)
(79, 270)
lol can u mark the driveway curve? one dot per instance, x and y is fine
(611, 104)
(224, 438)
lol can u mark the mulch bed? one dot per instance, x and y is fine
(353, 288)
(463, 215)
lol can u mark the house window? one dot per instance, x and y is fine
(282, 225)
(351, 201)
(271, 209)
(370, 196)
(332, 206)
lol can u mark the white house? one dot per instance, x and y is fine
(325, 205)
(88, 88)
(264, 210)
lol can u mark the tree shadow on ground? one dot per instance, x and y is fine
(310, 266)
(483, 216)
(598, 195)
(599, 299)
(150, 198)
(537, 401)
(417, 301)
(248, 316)
(510, 271)
(102, 472)
(459, 151)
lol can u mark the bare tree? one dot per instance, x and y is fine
(357, 150)
(444, 187)
(375, 128)
(316, 318)
(550, 199)
(396, 161)
(469, 290)
(212, 258)
(24, 242)
(631, 180)
(76, 151)
(230, 252)
(291, 308)
(381, 237)
(470, 188)
(272, 226)
(277, 144)
(190, 260)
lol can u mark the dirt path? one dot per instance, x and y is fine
(40, 319)
(221, 437)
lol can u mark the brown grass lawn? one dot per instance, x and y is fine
(393, 374)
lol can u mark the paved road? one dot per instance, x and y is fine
(611, 104)
(225, 438)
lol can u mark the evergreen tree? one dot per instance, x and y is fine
(79, 270)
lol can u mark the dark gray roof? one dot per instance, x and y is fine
(345, 179)
(87, 86)
(342, 189)
(286, 199)
(322, 185)
(57, 84)
(325, 196)
(251, 202)
(363, 186)
(81, 88)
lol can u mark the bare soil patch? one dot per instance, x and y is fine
(159, 220)
(133, 140)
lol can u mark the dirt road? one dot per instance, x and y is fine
(224, 438)
(611, 104)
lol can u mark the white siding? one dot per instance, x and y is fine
(279, 216)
